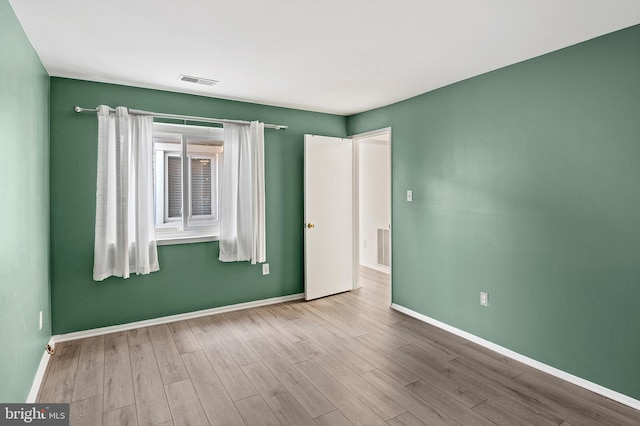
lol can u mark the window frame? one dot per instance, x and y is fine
(187, 228)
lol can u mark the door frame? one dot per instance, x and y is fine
(356, 202)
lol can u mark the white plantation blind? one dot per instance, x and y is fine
(201, 187)
(174, 182)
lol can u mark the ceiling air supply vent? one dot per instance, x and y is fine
(197, 80)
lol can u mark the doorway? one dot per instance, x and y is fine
(347, 208)
(372, 200)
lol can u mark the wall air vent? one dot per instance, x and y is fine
(384, 245)
(197, 80)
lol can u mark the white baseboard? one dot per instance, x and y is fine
(172, 318)
(379, 268)
(37, 380)
(593, 387)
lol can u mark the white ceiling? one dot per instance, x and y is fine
(337, 56)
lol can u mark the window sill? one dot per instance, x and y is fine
(166, 238)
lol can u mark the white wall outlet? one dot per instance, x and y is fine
(484, 298)
(265, 269)
(40, 321)
(409, 195)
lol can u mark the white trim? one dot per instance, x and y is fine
(169, 241)
(214, 133)
(355, 211)
(593, 387)
(172, 318)
(378, 132)
(379, 268)
(358, 139)
(37, 380)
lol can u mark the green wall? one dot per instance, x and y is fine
(24, 189)
(190, 276)
(526, 184)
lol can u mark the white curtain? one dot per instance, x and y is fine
(242, 201)
(125, 234)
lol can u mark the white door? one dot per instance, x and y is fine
(328, 215)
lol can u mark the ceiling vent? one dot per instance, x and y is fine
(197, 80)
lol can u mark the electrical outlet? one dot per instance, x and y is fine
(40, 321)
(484, 298)
(265, 269)
(409, 195)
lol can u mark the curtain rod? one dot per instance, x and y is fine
(184, 117)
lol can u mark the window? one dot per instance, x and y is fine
(186, 161)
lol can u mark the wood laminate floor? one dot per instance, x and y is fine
(341, 360)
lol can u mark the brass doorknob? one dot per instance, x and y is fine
(310, 225)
